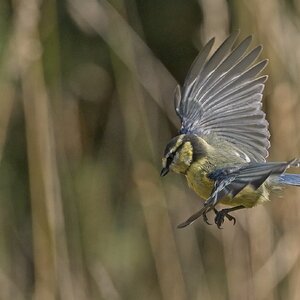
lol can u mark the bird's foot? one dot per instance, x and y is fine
(205, 219)
(221, 215)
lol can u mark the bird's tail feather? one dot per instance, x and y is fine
(289, 179)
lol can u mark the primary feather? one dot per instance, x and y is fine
(222, 96)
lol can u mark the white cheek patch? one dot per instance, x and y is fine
(187, 161)
(176, 158)
(164, 162)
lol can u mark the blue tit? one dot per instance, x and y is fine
(223, 141)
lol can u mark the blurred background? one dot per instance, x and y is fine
(85, 112)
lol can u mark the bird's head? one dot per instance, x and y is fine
(181, 152)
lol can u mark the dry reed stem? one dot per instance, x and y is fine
(52, 273)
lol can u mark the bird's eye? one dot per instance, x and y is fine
(170, 158)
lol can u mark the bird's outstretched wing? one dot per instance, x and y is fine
(222, 96)
(232, 180)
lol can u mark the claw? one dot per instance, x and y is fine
(220, 217)
(205, 219)
(219, 220)
(231, 218)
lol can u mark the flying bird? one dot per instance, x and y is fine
(223, 141)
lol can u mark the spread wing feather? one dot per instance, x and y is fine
(222, 96)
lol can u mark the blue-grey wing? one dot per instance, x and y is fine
(222, 96)
(230, 181)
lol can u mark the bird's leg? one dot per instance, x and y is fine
(202, 212)
(220, 215)
(205, 218)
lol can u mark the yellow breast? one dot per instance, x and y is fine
(202, 185)
(197, 178)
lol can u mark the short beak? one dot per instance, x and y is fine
(164, 171)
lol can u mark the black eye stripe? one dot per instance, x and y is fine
(179, 148)
(169, 161)
(172, 155)
(170, 158)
